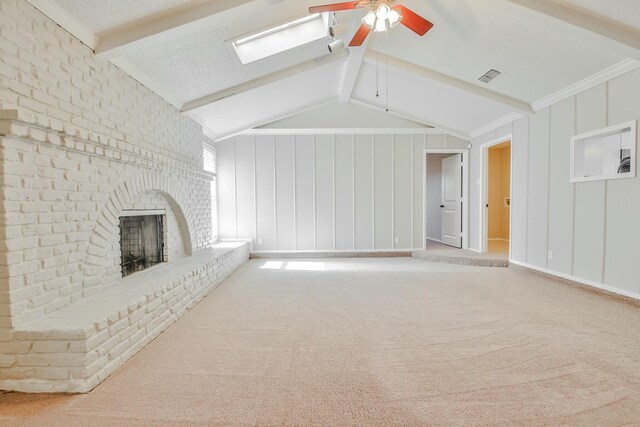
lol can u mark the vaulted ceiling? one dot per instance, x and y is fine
(180, 50)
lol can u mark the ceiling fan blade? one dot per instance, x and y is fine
(337, 6)
(413, 21)
(361, 34)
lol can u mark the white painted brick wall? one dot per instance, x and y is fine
(77, 348)
(83, 130)
(80, 141)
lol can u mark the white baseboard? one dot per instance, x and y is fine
(434, 240)
(591, 283)
(331, 254)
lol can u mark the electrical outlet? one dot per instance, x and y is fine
(397, 240)
(550, 255)
(259, 241)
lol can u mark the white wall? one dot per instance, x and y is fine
(592, 228)
(325, 191)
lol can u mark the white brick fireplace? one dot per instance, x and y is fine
(80, 143)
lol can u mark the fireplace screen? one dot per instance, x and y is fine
(141, 242)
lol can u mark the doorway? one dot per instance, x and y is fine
(496, 203)
(445, 199)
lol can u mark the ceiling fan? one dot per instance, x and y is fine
(383, 14)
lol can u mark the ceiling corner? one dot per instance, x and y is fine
(61, 17)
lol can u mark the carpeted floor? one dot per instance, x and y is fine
(373, 342)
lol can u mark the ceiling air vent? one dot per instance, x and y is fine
(489, 75)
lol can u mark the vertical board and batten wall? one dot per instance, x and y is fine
(592, 229)
(326, 191)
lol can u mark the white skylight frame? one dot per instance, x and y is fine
(267, 43)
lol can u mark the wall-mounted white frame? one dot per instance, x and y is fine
(465, 192)
(484, 191)
(596, 155)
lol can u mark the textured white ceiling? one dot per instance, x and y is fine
(103, 15)
(428, 101)
(272, 102)
(470, 37)
(626, 12)
(199, 64)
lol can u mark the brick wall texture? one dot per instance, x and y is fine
(80, 141)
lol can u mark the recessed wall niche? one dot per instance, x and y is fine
(608, 153)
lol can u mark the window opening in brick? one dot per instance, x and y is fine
(209, 155)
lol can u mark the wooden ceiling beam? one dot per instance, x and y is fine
(521, 106)
(161, 27)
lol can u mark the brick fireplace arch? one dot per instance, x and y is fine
(102, 260)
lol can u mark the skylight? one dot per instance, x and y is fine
(275, 40)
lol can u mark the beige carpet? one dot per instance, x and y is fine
(373, 342)
(437, 252)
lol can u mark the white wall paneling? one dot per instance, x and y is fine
(402, 191)
(538, 190)
(363, 197)
(265, 193)
(285, 192)
(621, 267)
(324, 199)
(344, 193)
(245, 194)
(419, 144)
(383, 184)
(340, 191)
(591, 108)
(561, 192)
(304, 192)
(590, 229)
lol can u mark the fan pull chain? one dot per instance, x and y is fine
(387, 78)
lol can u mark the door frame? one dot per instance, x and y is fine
(484, 191)
(465, 192)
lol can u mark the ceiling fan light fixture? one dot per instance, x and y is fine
(380, 26)
(394, 18)
(369, 20)
(383, 12)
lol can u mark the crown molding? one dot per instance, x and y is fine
(206, 131)
(345, 131)
(509, 118)
(588, 83)
(60, 16)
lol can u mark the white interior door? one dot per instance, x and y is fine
(451, 206)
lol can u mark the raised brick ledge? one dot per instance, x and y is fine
(14, 126)
(75, 348)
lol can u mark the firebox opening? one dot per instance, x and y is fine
(141, 242)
